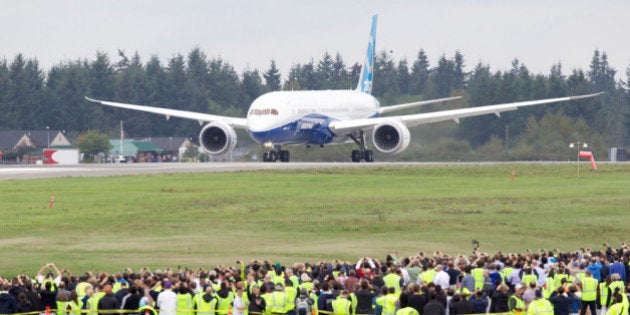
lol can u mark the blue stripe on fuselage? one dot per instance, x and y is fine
(310, 129)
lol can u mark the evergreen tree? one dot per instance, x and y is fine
(325, 72)
(252, 85)
(272, 77)
(459, 77)
(419, 73)
(340, 74)
(404, 78)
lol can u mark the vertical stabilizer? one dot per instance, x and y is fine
(367, 71)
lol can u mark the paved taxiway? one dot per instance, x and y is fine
(11, 172)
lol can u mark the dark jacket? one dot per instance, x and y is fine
(8, 305)
(26, 307)
(48, 299)
(108, 302)
(461, 307)
(479, 304)
(364, 301)
(499, 302)
(417, 301)
(434, 307)
(324, 303)
(561, 304)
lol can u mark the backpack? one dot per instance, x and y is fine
(302, 305)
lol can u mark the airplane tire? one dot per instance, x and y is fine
(273, 156)
(369, 156)
(356, 156)
(285, 156)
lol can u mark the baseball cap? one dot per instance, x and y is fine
(518, 286)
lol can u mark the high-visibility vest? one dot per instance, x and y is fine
(278, 302)
(206, 308)
(308, 286)
(505, 273)
(578, 277)
(589, 289)
(80, 289)
(428, 276)
(354, 301)
(267, 298)
(558, 279)
(392, 280)
(617, 309)
(618, 284)
(477, 273)
(62, 307)
(224, 304)
(341, 306)
(605, 295)
(291, 294)
(550, 286)
(184, 304)
(540, 307)
(389, 304)
(75, 307)
(527, 279)
(407, 311)
(519, 306)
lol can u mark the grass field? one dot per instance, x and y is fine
(320, 214)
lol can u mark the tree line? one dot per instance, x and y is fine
(33, 98)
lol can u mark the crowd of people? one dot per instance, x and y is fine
(533, 283)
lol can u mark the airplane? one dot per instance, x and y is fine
(285, 118)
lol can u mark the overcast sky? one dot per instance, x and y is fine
(251, 33)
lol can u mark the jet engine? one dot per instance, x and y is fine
(217, 138)
(391, 137)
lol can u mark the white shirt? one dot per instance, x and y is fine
(238, 303)
(167, 302)
(442, 279)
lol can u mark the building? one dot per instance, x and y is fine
(24, 145)
(173, 148)
(135, 151)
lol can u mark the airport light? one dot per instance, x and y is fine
(573, 145)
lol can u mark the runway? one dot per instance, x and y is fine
(16, 172)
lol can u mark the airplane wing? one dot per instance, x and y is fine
(200, 117)
(346, 126)
(387, 109)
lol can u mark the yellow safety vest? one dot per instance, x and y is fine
(519, 306)
(477, 273)
(389, 304)
(407, 311)
(589, 289)
(341, 306)
(392, 280)
(206, 308)
(184, 304)
(540, 307)
(617, 309)
(291, 293)
(605, 294)
(278, 302)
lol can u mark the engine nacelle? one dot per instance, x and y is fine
(391, 137)
(217, 138)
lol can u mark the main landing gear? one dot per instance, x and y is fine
(363, 153)
(274, 153)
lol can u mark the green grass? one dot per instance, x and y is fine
(205, 219)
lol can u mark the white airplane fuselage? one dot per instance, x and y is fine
(302, 117)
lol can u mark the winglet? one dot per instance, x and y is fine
(367, 71)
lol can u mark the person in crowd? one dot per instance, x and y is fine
(108, 303)
(167, 300)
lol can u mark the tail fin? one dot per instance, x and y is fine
(367, 71)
